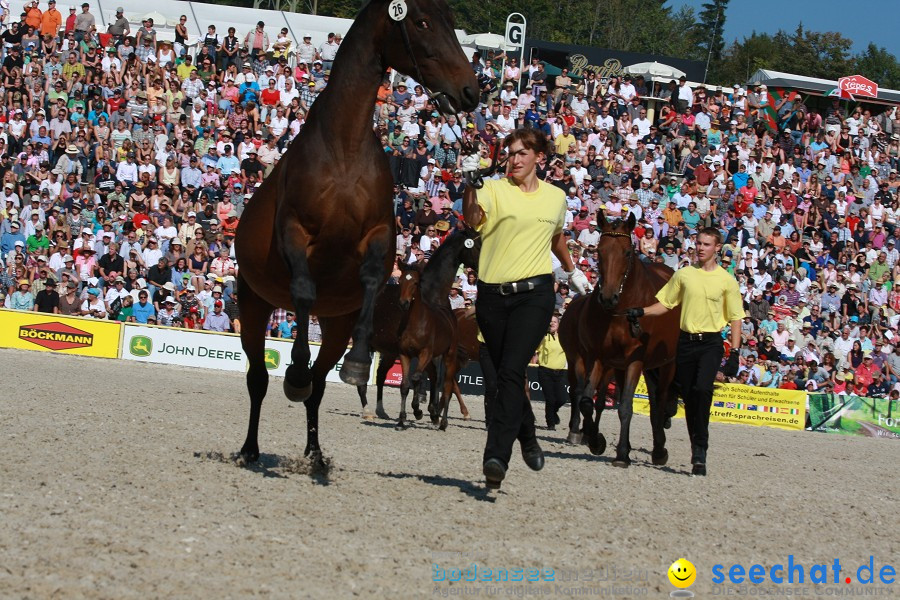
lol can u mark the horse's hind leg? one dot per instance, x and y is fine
(255, 314)
(366, 411)
(384, 365)
(404, 389)
(462, 405)
(355, 368)
(335, 331)
(298, 377)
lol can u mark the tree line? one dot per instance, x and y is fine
(654, 27)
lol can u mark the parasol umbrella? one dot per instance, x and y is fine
(492, 41)
(839, 93)
(654, 70)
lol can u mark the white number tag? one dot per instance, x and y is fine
(397, 10)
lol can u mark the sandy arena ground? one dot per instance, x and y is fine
(116, 483)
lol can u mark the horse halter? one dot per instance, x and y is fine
(628, 266)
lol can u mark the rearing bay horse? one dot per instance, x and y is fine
(319, 234)
(598, 343)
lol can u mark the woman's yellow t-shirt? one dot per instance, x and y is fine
(516, 230)
(550, 353)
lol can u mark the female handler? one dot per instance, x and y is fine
(710, 298)
(552, 372)
(520, 219)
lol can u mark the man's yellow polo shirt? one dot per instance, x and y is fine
(517, 228)
(709, 300)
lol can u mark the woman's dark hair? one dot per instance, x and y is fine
(532, 139)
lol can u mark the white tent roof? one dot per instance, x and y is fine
(814, 84)
(201, 15)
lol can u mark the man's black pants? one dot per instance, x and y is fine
(553, 383)
(512, 327)
(696, 364)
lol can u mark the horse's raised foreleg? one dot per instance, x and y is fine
(627, 381)
(255, 314)
(598, 377)
(298, 377)
(377, 244)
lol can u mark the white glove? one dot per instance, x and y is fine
(578, 281)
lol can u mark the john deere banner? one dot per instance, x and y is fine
(205, 349)
(55, 333)
(182, 347)
(748, 405)
(854, 415)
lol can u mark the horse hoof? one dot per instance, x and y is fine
(466, 416)
(297, 394)
(418, 414)
(597, 446)
(379, 412)
(660, 458)
(367, 414)
(574, 438)
(668, 423)
(622, 463)
(249, 454)
(443, 426)
(355, 373)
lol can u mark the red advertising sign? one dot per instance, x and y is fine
(56, 336)
(859, 86)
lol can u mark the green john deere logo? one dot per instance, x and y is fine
(272, 358)
(141, 345)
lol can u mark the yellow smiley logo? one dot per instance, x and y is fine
(682, 573)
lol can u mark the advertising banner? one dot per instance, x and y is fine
(278, 358)
(191, 348)
(184, 347)
(470, 380)
(859, 86)
(748, 405)
(854, 415)
(56, 333)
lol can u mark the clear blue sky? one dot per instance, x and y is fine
(862, 21)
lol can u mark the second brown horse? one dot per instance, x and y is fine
(598, 343)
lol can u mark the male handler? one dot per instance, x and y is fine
(710, 298)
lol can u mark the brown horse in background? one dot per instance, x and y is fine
(319, 234)
(598, 342)
(431, 330)
(388, 323)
